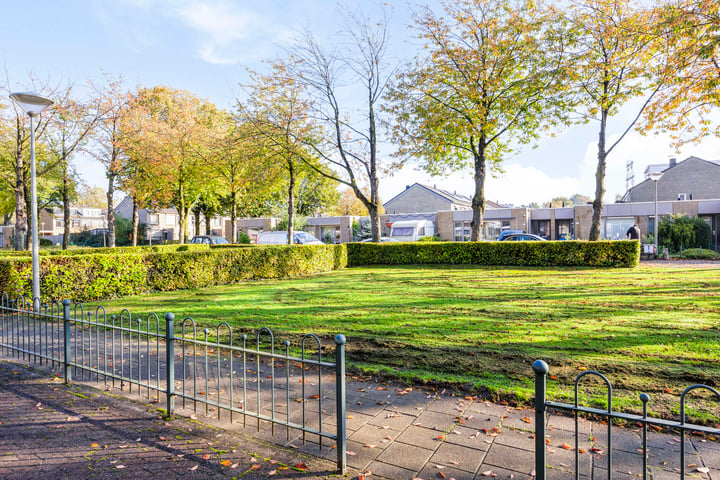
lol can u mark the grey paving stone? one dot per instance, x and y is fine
(389, 471)
(405, 456)
(441, 422)
(487, 471)
(510, 457)
(458, 457)
(372, 434)
(393, 419)
(421, 437)
(431, 472)
(516, 438)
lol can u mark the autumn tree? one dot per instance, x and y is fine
(278, 116)
(348, 146)
(349, 204)
(91, 196)
(614, 53)
(689, 31)
(244, 175)
(165, 130)
(68, 131)
(20, 140)
(113, 100)
(490, 80)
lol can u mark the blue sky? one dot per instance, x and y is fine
(206, 46)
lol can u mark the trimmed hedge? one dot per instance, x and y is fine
(700, 254)
(93, 277)
(624, 253)
(188, 247)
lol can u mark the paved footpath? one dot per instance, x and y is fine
(50, 430)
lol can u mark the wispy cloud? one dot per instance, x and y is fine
(225, 32)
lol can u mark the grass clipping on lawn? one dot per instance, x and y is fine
(649, 329)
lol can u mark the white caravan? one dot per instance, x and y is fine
(411, 230)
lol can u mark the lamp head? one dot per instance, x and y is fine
(655, 176)
(31, 103)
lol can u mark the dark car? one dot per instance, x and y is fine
(505, 233)
(209, 239)
(523, 237)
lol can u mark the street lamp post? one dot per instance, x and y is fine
(655, 177)
(33, 105)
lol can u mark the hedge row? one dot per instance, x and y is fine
(92, 277)
(624, 253)
(108, 250)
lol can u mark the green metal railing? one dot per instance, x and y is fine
(542, 405)
(149, 354)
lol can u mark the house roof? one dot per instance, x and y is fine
(663, 167)
(453, 197)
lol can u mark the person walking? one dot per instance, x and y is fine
(633, 232)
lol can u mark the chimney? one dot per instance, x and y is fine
(673, 162)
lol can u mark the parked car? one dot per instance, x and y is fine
(382, 239)
(522, 237)
(505, 233)
(209, 239)
(280, 237)
(411, 230)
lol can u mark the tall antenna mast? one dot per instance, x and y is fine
(630, 176)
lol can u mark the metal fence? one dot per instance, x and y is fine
(542, 405)
(201, 368)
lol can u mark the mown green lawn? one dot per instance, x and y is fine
(652, 329)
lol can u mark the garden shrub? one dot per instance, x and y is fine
(700, 254)
(625, 253)
(112, 251)
(93, 277)
(679, 233)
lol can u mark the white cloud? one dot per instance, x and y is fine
(220, 21)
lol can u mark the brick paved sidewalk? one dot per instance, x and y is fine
(49, 430)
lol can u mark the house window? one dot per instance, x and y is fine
(541, 228)
(153, 219)
(616, 228)
(462, 231)
(59, 223)
(491, 230)
(682, 196)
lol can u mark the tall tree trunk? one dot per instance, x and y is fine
(111, 210)
(233, 216)
(291, 202)
(135, 223)
(478, 200)
(66, 205)
(599, 178)
(27, 237)
(184, 227)
(21, 220)
(375, 230)
(207, 223)
(196, 213)
(372, 174)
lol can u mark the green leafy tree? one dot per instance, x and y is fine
(614, 51)
(165, 133)
(690, 47)
(491, 79)
(279, 118)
